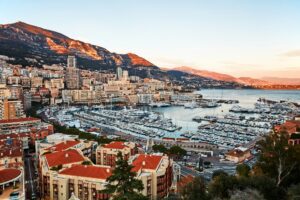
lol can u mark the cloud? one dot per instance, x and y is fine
(292, 53)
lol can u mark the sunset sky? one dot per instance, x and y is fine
(239, 37)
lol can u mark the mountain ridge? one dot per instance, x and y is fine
(42, 46)
(35, 38)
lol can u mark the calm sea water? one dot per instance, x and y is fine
(247, 98)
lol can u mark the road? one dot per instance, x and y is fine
(30, 177)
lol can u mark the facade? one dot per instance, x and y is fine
(107, 154)
(71, 62)
(72, 77)
(119, 73)
(11, 109)
(64, 173)
(156, 173)
(238, 155)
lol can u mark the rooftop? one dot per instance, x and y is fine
(8, 174)
(63, 145)
(63, 157)
(144, 161)
(90, 171)
(26, 119)
(115, 145)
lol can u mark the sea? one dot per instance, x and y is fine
(246, 97)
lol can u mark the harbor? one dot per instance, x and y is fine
(227, 125)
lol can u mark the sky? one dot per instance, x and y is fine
(239, 37)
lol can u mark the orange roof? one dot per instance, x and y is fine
(63, 157)
(8, 174)
(26, 119)
(146, 162)
(90, 171)
(63, 145)
(115, 145)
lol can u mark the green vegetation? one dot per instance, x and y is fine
(122, 184)
(86, 162)
(275, 176)
(243, 170)
(176, 151)
(56, 168)
(83, 135)
(195, 190)
(159, 148)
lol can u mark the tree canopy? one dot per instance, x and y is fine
(122, 184)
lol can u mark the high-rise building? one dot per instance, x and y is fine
(11, 109)
(72, 74)
(125, 75)
(71, 61)
(119, 73)
(27, 100)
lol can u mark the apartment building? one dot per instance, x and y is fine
(11, 109)
(107, 154)
(64, 173)
(156, 173)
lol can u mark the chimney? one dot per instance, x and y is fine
(10, 152)
(66, 155)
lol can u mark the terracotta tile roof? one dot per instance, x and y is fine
(11, 150)
(26, 119)
(63, 157)
(13, 135)
(290, 126)
(115, 145)
(90, 171)
(8, 174)
(237, 153)
(63, 145)
(146, 162)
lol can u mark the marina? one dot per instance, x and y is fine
(226, 123)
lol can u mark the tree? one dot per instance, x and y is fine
(159, 148)
(247, 194)
(278, 159)
(243, 170)
(195, 190)
(218, 173)
(294, 192)
(221, 186)
(122, 184)
(177, 151)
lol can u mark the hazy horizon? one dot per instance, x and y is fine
(240, 38)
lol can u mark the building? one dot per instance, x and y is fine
(119, 73)
(107, 154)
(24, 125)
(71, 62)
(11, 109)
(51, 163)
(82, 96)
(294, 139)
(27, 100)
(83, 181)
(36, 82)
(290, 127)
(238, 155)
(156, 173)
(72, 74)
(65, 173)
(86, 147)
(12, 182)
